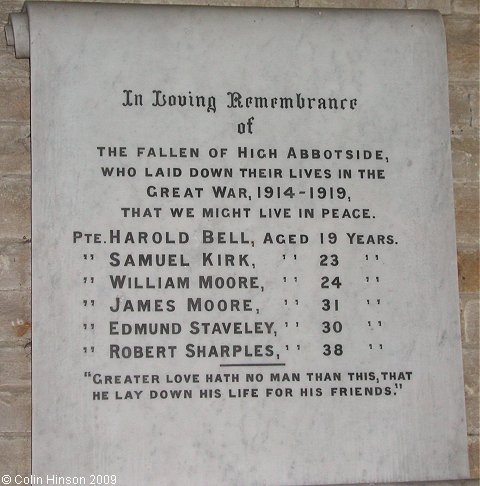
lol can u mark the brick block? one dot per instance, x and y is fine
(224, 3)
(471, 372)
(463, 62)
(462, 30)
(462, 48)
(466, 195)
(463, 107)
(466, 7)
(229, 3)
(15, 408)
(470, 319)
(10, 66)
(14, 100)
(443, 6)
(15, 456)
(15, 207)
(14, 149)
(472, 405)
(468, 270)
(15, 369)
(15, 266)
(466, 221)
(465, 155)
(474, 456)
(15, 316)
(382, 4)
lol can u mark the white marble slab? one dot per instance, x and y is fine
(378, 398)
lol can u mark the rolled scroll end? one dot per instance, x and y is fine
(9, 35)
(17, 34)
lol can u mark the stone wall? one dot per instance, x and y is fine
(461, 19)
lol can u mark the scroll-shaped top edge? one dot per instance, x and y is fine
(17, 30)
(17, 33)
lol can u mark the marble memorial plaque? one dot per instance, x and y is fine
(244, 266)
